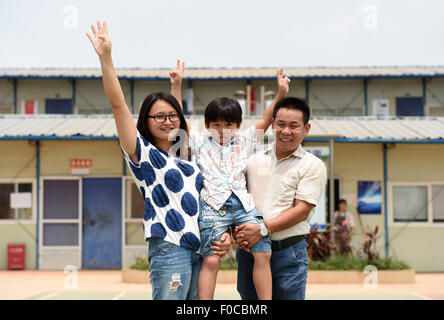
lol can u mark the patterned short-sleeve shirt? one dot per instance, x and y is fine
(170, 187)
(224, 166)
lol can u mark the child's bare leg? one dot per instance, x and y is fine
(262, 275)
(207, 277)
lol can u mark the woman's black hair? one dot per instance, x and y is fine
(142, 122)
(223, 109)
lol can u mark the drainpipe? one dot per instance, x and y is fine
(307, 91)
(132, 95)
(385, 148)
(365, 97)
(424, 95)
(332, 188)
(124, 167)
(37, 170)
(14, 88)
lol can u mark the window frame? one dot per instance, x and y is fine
(127, 213)
(390, 204)
(16, 182)
(78, 221)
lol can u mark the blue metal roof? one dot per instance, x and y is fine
(198, 74)
(345, 129)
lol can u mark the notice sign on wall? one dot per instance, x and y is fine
(80, 167)
(21, 200)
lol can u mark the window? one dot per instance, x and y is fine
(61, 199)
(438, 203)
(134, 215)
(61, 212)
(422, 202)
(136, 203)
(410, 203)
(23, 208)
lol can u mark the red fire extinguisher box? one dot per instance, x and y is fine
(16, 256)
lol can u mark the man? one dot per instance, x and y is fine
(286, 183)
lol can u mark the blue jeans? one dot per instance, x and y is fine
(212, 225)
(288, 270)
(173, 271)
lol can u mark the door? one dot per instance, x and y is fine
(409, 106)
(336, 197)
(58, 106)
(102, 223)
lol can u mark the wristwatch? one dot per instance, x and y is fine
(263, 229)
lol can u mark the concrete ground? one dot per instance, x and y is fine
(107, 285)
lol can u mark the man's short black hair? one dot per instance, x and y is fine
(295, 104)
(342, 201)
(226, 109)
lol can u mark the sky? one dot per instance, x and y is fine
(224, 34)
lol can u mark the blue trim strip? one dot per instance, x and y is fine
(9, 138)
(352, 140)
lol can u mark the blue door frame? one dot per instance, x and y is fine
(102, 223)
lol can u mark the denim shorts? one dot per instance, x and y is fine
(288, 270)
(212, 225)
(173, 271)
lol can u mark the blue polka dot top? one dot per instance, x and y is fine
(170, 187)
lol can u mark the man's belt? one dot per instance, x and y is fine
(282, 244)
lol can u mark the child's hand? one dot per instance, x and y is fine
(222, 247)
(176, 75)
(283, 83)
(100, 41)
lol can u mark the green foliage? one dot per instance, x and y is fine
(141, 264)
(228, 263)
(338, 262)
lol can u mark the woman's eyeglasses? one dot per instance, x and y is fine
(161, 118)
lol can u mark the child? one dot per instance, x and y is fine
(222, 154)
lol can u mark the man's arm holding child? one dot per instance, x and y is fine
(247, 235)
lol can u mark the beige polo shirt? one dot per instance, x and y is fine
(275, 184)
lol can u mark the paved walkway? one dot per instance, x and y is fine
(107, 285)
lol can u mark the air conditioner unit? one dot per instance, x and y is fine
(381, 107)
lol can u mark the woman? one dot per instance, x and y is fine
(167, 177)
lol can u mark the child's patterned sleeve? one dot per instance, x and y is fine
(195, 141)
(250, 139)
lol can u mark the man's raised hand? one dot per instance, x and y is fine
(283, 83)
(176, 75)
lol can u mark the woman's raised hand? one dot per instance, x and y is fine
(176, 75)
(100, 39)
